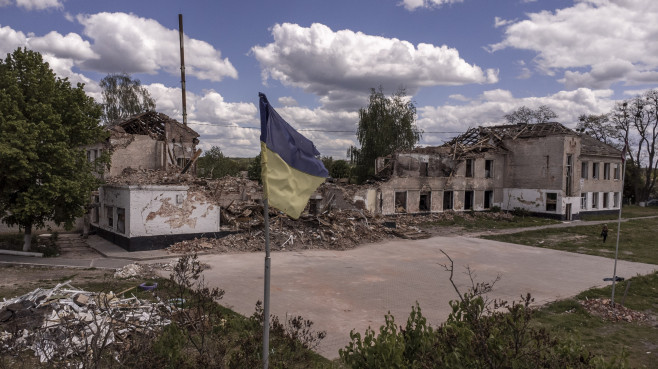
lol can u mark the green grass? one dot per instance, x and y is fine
(486, 220)
(628, 211)
(637, 240)
(14, 242)
(638, 340)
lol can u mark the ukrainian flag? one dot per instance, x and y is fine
(291, 171)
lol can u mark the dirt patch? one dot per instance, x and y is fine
(19, 279)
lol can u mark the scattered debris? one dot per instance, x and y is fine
(603, 308)
(63, 321)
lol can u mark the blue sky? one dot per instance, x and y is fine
(463, 62)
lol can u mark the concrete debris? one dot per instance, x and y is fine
(130, 271)
(64, 321)
(603, 308)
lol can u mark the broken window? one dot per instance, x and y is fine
(595, 170)
(615, 199)
(121, 220)
(605, 200)
(401, 201)
(551, 201)
(109, 213)
(469, 168)
(468, 200)
(424, 204)
(606, 170)
(182, 162)
(488, 168)
(447, 200)
(617, 170)
(583, 170)
(595, 200)
(583, 201)
(423, 169)
(488, 199)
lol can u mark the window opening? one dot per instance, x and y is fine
(488, 199)
(447, 200)
(488, 168)
(583, 201)
(615, 199)
(424, 203)
(606, 170)
(109, 213)
(401, 202)
(568, 177)
(595, 170)
(617, 170)
(583, 170)
(469, 167)
(551, 201)
(605, 200)
(595, 200)
(423, 169)
(468, 200)
(121, 220)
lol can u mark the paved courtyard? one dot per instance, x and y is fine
(345, 290)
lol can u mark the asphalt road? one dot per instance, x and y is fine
(344, 290)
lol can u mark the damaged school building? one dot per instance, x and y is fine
(147, 215)
(546, 169)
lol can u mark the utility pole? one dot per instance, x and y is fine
(182, 66)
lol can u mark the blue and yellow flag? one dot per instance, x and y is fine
(291, 171)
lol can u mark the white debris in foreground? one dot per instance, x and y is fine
(64, 321)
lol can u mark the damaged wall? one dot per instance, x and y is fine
(137, 211)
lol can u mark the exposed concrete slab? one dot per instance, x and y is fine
(344, 290)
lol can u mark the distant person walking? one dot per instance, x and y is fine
(604, 232)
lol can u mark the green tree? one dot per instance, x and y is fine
(385, 125)
(340, 169)
(525, 115)
(601, 128)
(214, 164)
(44, 122)
(123, 97)
(254, 170)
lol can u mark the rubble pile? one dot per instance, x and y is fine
(64, 321)
(604, 309)
(335, 230)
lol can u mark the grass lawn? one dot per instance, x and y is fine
(638, 340)
(637, 240)
(628, 211)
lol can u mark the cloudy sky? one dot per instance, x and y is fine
(463, 62)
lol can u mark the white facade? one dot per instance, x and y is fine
(143, 211)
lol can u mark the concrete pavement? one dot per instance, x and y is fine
(353, 289)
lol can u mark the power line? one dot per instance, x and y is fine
(309, 129)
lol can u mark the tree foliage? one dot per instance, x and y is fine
(636, 121)
(254, 170)
(337, 168)
(387, 124)
(213, 164)
(123, 97)
(599, 127)
(44, 122)
(525, 115)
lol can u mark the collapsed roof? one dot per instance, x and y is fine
(481, 139)
(153, 124)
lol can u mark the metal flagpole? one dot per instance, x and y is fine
(614, 272)
(266, 297)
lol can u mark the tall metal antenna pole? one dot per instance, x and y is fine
(182, 66)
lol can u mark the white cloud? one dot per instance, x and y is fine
(428, 4)
(339, 65)
(459, 97)
(287, 101)
(500, 22)
(615, 40)
(491, 106)
(71, 46)
(132, 44)
(5, 3)
(10, 40)
(39, 4)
